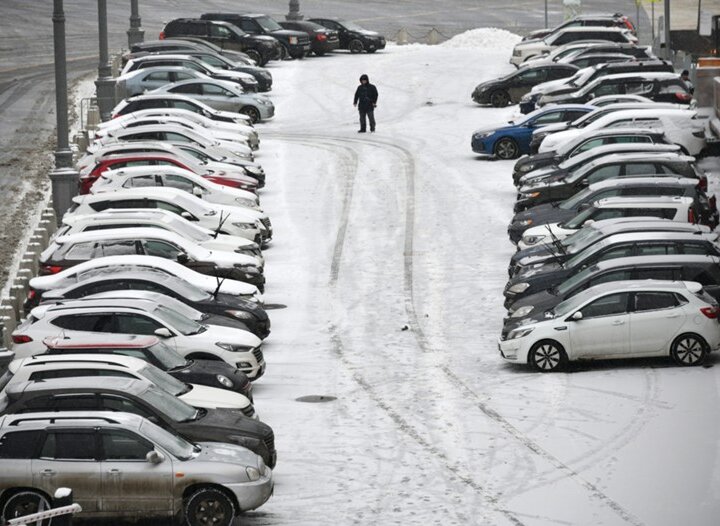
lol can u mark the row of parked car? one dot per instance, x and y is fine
(143, 335)
(617, 254)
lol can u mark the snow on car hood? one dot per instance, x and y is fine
(552, 142)
(213, 397)
(218, 333)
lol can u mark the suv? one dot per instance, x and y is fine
(186, 44)
(353, 37)
(123, 465)
(510, 88)
(295, 44)
(615, 20)
(322, 39)
(227, 36)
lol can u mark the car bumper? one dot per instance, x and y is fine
(512, 351)
(267, 111)
(482, 146)
(251, 495)
(324, 47)
(299, 50)
(375, 44)
(253, 372)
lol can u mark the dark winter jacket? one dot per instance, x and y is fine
(366, 96)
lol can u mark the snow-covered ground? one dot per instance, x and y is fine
(390, 254)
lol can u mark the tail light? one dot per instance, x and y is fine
(709, 312)
(161, 36)
(49, 269)
(703, 184)
(713, 202)
(24, 338)
(321, 37)
(86, 182)
(628, 24)
(683, 97)
(691, 216)
(32, 294)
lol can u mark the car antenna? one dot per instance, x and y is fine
(219, 284)
(221, 223)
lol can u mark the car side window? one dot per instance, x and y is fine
(140, 181)
(144, 136)
(248, 26)
(125, 405)
(212, 89)
(613, 192)
(655, 273)
(647, 122)
(181, 75)
(647, 301)
(219, 31)
(153, 247)
(610, 305)
(163, 205)
(702, 276)
(127, 203)
(70, 445)
(184, 105)
(664, 213)
(606, 213)
(617, 252)
(176, 137)
(621, 123)
(74, 373)
(136, 324)
(19, 444)
(697, 248)
(96, 288)
(533, 75)
(605, 172)
(588, 145)
(558, 73)
(616, 275)
(554, 116)
(178, 181)
(187, 88)
(82, 251)
(653, 249)
(639, 168)
(123, 445)
(607, 89)
(83, 322)
(628, 139)
(162, 76)
(119, 248)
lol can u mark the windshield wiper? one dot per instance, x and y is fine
(221, 223)
(558, 244)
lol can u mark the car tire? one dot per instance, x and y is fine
(252, 112)
(25, 503)
(209, 506)
(506, 148)
(356, 46)
(254, 55)
(688, 350)
(547, 356)
(499, 98)
(284, 53)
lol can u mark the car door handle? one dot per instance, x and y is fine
(618, 322)
(114, 471)
(48, 472)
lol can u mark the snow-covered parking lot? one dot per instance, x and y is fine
(390, 254)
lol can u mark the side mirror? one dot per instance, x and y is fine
(588, 222)
(154, 457)
(197, 191)
(163, 332)
(187, 215)
(182, 257)
(577, 316)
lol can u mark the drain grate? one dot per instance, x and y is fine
(316, 399)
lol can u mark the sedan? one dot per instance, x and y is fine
(352, 36)
(322, 39)
(225, 96)
(511, 88)
(620, 320)
(513, 139)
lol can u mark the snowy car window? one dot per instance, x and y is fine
(610, 305)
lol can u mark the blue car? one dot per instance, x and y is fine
(513, 140)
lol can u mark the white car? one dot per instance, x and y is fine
(565, 51)
(158, 218)
(166, 100)
(66, 251)
(620, 319)
(174, 177)
(174, 133)
(680, 126)
(672, 208)
(42, 367)
(76, 318)
(222, 219)
(532, 48)
(112, 264)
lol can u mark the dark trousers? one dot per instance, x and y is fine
(370, 114)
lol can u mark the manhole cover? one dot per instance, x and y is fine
(316, 399)
(275, 306)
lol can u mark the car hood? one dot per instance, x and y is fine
(218, 333)
(545, 213)
(234, 74)
(219, 424)
(540, 175)
(498, 127)
(214, 397)
(550, 270)
(229, 259)
(233, 302)
(551, 142)
(488, 84)
(542, 182)
(541, 301)
(226, 453)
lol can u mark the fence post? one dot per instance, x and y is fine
(401, 38)
(433, 37)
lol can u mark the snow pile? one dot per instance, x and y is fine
(484, 37)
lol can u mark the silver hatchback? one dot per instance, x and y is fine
(121, 465)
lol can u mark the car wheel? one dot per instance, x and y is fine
(688, 349)
(25, 503)
(356, 46)
(547, 356)
(209, 506)
(254, 55)
(506, 148)
(251, 112)
(284, 53)
(499, 98)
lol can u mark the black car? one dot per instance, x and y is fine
(562, 186)
(557, 212)
(352, 37)
(511, 88)
(582, 144)
(185, 44)
(144, 399)
(683, 267)
(294, 44)
(213, 373)
(544, 276)
(251, 315)
(260, 48)
(322, 39)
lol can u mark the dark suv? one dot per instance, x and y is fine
(295, 44)
(322, 39)
(258, 47)
(352, 36)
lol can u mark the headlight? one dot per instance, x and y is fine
(518, 288)
(525, 222)
(239, 314)
(522, 311)
(531, 195)
(526, 167)
(253, 170)
(520, 333)
(252, 473)
(248, 269)
(232, 347)
(247, 203)
(264, 102)
(532, 240)
(483, 135)
(293, 40)
(244, 155)
(244, 226)
(224, 381)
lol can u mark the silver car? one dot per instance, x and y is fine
(223, 95)
(122, 465)
(147, 79)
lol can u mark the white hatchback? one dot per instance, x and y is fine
(620, 319)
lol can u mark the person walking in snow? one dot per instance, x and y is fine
(365, 101)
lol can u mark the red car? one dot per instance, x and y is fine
(91, 173)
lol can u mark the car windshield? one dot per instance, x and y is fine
(576, 200)
(173, 407)
(582, 170)
(177, 321)
(583, 255)
(582, 238)
(163, 380)
(564, 307)
(187, 229)
(268, 24)
(186, 289)
(577, 221)
(169, 358)
(572, 282)
(173, 444)
(352, 26)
